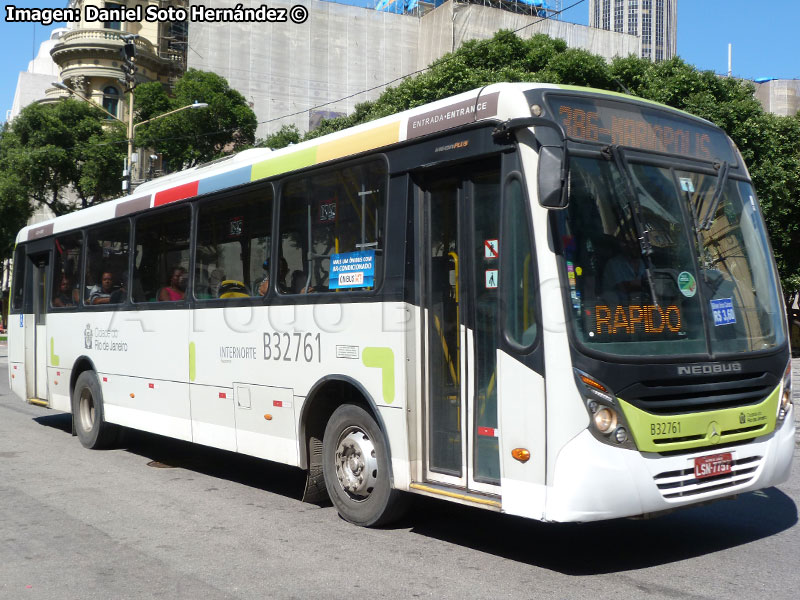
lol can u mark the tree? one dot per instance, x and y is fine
(61, 155)
(286, 135)
(190, 137)
(15, 209)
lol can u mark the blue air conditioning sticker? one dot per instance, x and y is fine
(722, 310)
(687, 185)
(352, 270)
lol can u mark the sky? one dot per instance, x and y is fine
(764, 36)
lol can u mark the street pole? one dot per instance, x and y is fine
(126, 184)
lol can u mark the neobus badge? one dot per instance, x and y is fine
(710, 369)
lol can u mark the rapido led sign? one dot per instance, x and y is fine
(639, 127)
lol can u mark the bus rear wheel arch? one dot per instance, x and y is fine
(355, 463)
(88, 416)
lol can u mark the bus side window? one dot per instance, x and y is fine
(66, 270)
(107, 254)
(336, 216)
(161, 262)
(18, 279)
(233, 245)
(517, 269)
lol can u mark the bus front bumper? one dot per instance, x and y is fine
(594, 481)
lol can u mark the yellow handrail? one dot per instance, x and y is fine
(454, 256)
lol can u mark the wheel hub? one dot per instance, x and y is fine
(356, 464)
(86, 410)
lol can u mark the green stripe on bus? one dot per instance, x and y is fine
(192, 356)
(284, 164)
(664, 433)
(383, 359)
(54, 359)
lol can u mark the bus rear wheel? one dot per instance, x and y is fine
(88, 416)
(356, 469)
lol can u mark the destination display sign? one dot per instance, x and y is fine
(640, 127)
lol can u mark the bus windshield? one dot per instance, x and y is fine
(665, 262)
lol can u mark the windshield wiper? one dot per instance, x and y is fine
(722, 179)
(642, 234)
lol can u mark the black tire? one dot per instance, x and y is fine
(369, 502)
(88, 416)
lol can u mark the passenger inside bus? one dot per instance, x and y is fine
(176, 286)
(283, 270)
(105, 292)
(67, 293)
(300, 281)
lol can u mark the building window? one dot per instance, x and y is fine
(633, 17)
(113, 24)
(619, 16)
(111, 100)
(647, 31)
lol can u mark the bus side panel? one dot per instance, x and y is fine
(142, 361)
(58, 379)
(272, 356)
(275, 439)
(16, 356)
(157, 406)
(213, 422)
(521, 410)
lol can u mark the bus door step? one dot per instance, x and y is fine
(458, 494)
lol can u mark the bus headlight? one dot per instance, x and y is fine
(785, 403)
(605, 419)
(607, 423)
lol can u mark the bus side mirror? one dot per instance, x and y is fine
(553, 167)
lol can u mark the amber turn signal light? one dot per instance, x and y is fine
(521, 454)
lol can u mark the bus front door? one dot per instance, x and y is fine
(459, 212)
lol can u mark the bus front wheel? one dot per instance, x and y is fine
(87, 413)
(356, 468)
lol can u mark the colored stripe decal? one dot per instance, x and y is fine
(180, 192)
(132, 206)
(224, 180)
(360, 142)
(284, 164)
(42, 231)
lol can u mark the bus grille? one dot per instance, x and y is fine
(674, 485)
(713, 392)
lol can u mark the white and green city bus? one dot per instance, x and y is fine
(548, 301)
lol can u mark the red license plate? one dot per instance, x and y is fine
(713, 465)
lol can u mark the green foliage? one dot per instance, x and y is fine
(191, 136)
(15, 209)
(286, 135)
(58, 153)
(770, 145)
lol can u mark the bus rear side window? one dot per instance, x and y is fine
(19, 279)
(332, 230)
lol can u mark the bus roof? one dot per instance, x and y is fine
(261, 163)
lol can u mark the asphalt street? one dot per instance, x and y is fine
(158, 518)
